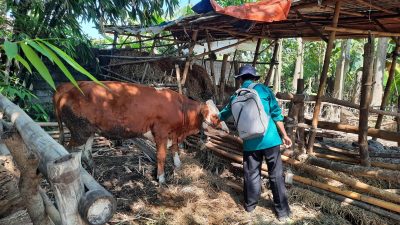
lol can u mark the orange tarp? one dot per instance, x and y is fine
(263, 11)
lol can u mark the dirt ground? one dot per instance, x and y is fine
(205, 190)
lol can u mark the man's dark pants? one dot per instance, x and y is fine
(252, 161)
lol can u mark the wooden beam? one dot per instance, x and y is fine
(324, 76)
(358, 31)
(222, 79)
(389, 82)
(365, 3)
(316, 31)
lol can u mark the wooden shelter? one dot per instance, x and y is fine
(310, 19)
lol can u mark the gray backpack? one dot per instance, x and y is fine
(248, 111)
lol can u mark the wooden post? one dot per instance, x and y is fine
(152, 51)
(322, 83)
(273, 62)
(212, 66)
(236, 71)
(178, 78)
(365, 101)
(64, 176)
(189, 58)
(389, 82)
(300, 130)
(222, 79)
(256, 54)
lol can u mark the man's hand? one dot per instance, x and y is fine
(287, 142)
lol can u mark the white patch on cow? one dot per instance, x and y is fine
(169, 143)
(177, 161)
(214, 111)
(149, 136)
(161, 179)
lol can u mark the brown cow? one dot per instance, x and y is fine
(126, 110)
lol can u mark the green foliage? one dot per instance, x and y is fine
(30, 50)
(18, 93)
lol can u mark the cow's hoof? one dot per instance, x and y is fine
(161, 179)
(177, 161)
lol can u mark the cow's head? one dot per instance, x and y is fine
(210, 117)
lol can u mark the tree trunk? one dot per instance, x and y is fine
(341, 68)
(379, 70)
(298, 69)
(278, 71)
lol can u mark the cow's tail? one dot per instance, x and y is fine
(59, 121)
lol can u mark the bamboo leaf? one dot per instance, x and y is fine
(38, 64)
(40, 49)
(60, 65)
(11, 49)
(72, 62)
(23, 62)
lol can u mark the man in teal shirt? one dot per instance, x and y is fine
(265, 146)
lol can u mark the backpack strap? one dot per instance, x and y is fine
(252, 85)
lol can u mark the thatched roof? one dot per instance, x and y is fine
(307, 18)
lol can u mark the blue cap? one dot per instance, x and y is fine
(247, 70)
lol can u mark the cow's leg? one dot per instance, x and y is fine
(161, 155)
(175, 153)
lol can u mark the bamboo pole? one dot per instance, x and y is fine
(372, 132)
(344, 179)
(379, 174)
(366, 89)
(300, 118)
(222, 79)
(389, 82)
(324, 76)
(298, 98)
(257, 52)
(357, 31)
(188, 60)
(273, 62)
(344, 200)
(350, 194)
